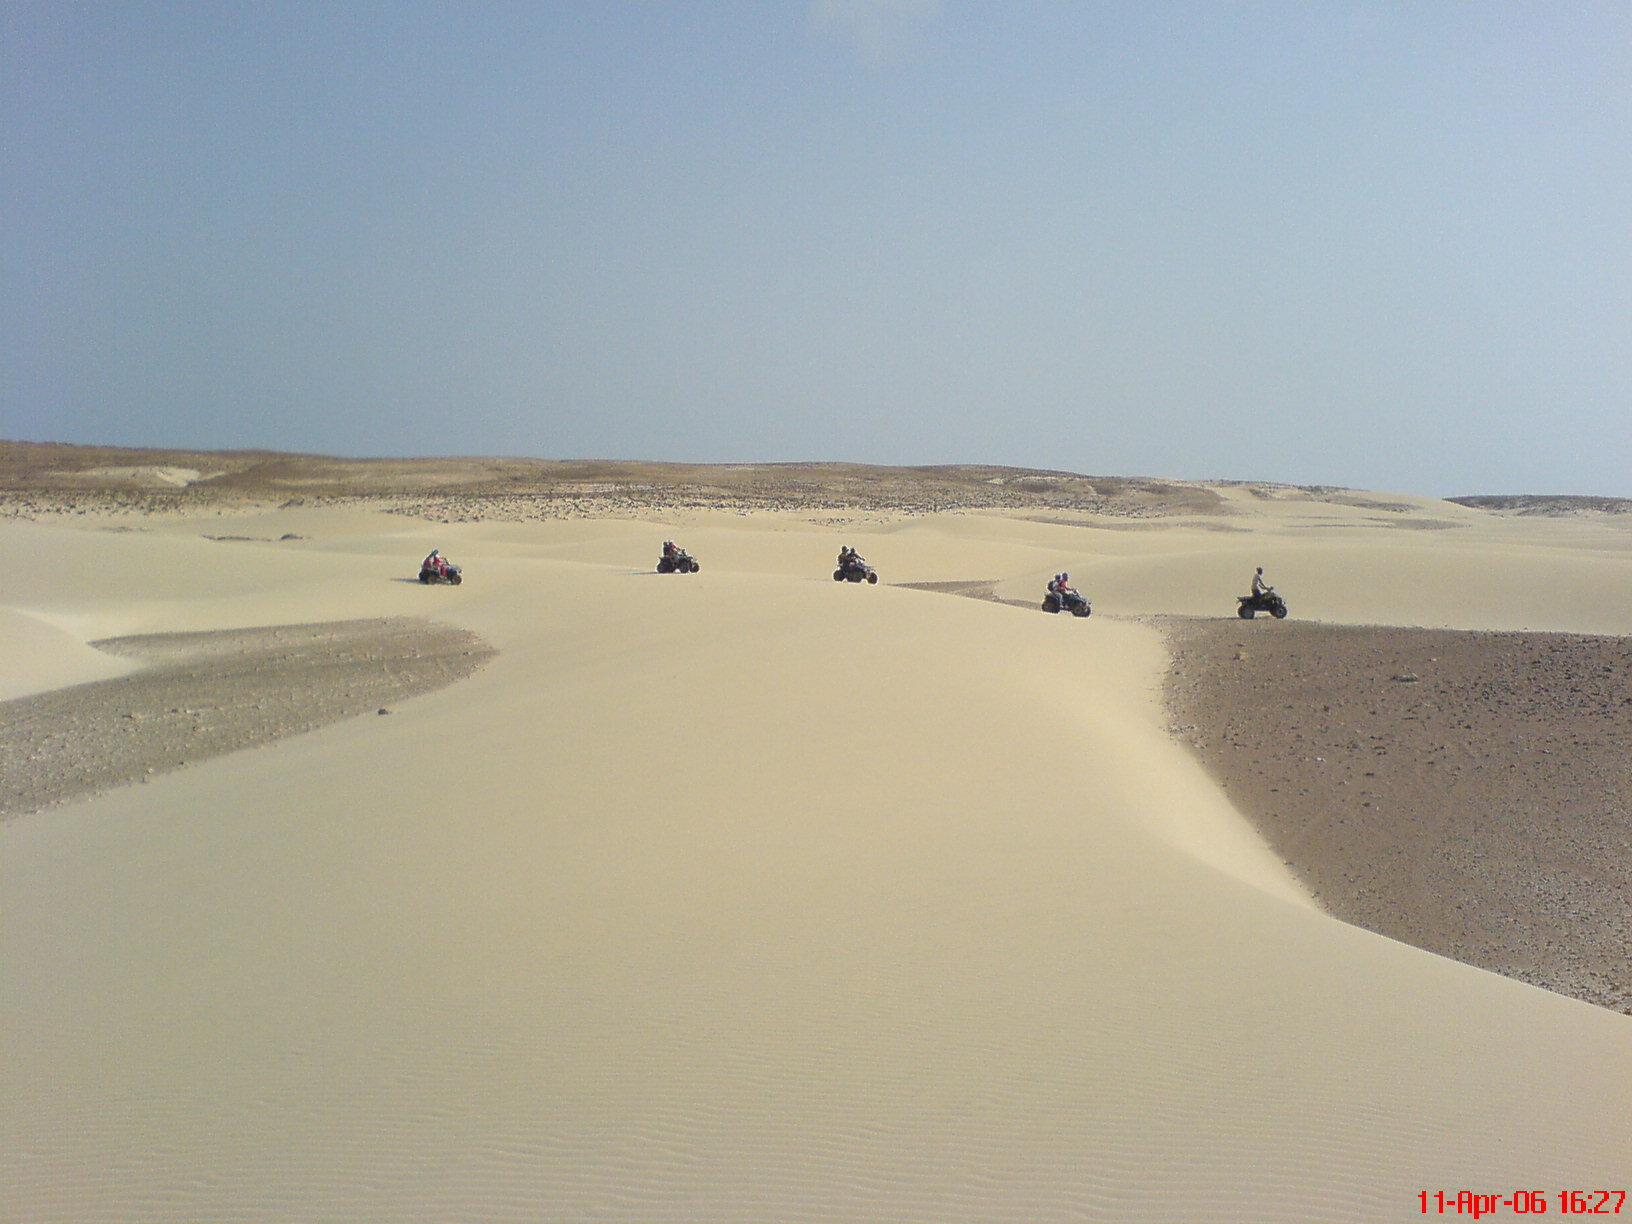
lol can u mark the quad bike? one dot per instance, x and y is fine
(1251, 605)
(452, 575)
(1073, 602)
(681, 562)
(855, 571)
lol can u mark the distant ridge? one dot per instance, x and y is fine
(1541, 503)
(160, 478)
(182, 477)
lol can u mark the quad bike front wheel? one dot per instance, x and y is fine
(1082, 609)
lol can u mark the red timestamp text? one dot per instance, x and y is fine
(1522, 1202)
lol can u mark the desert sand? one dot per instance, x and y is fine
(747, 895)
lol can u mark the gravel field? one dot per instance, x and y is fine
(204, 694)
(1465, 792)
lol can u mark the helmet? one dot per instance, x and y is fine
(1065, 577)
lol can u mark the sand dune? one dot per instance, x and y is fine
(746, 895)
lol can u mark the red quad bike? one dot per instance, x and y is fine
(429, 574)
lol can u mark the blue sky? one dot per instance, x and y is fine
(1385, 245)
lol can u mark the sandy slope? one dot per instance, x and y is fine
(749, 896)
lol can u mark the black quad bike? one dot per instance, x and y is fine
(1073, 602)
(429, 574)
(681, 562)
(855, 571)
(1251, 605)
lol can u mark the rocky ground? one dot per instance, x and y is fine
(204, 694)
(1465, 792)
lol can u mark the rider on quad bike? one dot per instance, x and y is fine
(437, 568)
(676, 560)
(1262, 599)
(853, 567)
(1063, 597)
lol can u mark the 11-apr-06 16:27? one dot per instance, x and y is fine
(1521, 1202)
